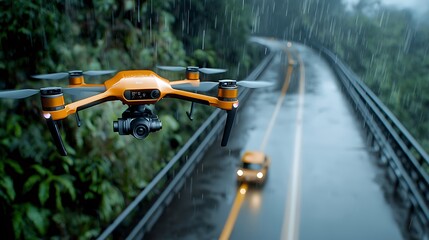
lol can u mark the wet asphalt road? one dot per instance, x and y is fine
(320, 168)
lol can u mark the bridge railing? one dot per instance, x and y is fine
(156, 196)
(405, 161)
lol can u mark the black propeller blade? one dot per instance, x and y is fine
(80, 90)
(254, 84)
(24, 93)
(202, 87)
(98, 72)
(18, 94)
(60, 75)
(172, 68)
(202, 70)
(211, 70)
(51, 76)
(207, 86)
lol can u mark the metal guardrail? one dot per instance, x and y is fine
(404, 159)
(174, 174)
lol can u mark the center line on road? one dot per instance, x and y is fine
(234, 212)
(290, 230)
(279, 101)
(229, 225)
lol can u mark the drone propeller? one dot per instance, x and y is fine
(207, 86)
(18, 94)
(202, 70)
(172, 68)
(212, 70)
(80, 90)
(24, 93)
(202, 87)
(255, 84)
(60, 75)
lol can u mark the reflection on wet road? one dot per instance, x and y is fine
(322, 180)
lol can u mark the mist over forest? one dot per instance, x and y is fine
(386, 45)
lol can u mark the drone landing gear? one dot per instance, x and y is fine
(190, 112)
(78, 119)
(53, 128)
(138, 121)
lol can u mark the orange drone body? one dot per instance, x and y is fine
(135, 87)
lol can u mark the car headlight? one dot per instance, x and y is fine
(240, 172)
(259, 175)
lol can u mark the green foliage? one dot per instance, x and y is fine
(43, 195)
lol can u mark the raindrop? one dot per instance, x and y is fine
(150, 29)
(138, 11)
(204, 36)
(381, 19)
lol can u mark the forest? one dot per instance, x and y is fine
(44, 195)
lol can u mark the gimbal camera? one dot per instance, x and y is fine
(137, 120)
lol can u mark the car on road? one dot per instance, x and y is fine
(253, 167)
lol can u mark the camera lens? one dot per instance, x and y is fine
(140, 131)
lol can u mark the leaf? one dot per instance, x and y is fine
(28, 185)
(41, 170)
(14, 165)
(18, 223)
(7, 184)
(58, 198)
(67, 184)
(38, 218)
(44, 191)
(4, 196)
(18, 130)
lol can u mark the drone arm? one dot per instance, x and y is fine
(229, 106)
(80, 105)
(193, 82)
(201, 98)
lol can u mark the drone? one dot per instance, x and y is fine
(137, 89)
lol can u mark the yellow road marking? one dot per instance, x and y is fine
(229, 225)
(279, 101)
(290, 230)
(234, 212)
